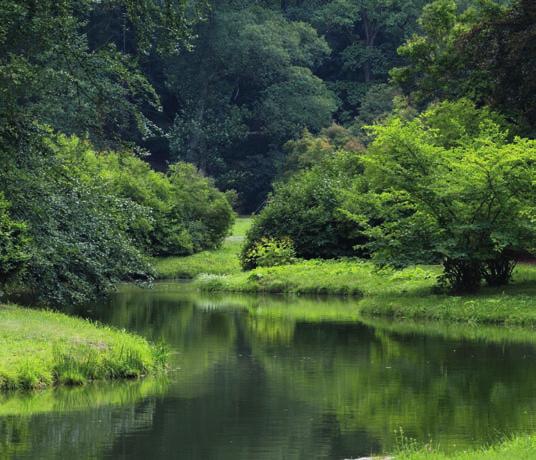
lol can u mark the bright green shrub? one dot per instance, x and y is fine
(448, 187)
(270, 252)
(305, 208)
(181, 212)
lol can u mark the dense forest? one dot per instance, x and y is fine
(397, 130)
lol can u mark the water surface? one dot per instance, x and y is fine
(281, 378)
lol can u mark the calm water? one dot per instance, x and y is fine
(273, 378)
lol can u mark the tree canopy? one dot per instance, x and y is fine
(458, 193)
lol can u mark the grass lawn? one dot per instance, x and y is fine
(241, 226)
(518, 448)
(218, 261)
(341, 277)
(43, 348)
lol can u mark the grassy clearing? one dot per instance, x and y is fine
(220, 261)
(241, 226)
(43, 348)
(518, 448)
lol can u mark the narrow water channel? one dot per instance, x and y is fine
(279, 378)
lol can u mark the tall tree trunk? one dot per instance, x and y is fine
(370, 38)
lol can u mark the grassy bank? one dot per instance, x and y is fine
(340, 277)
(490, 306)
(219, 261)
(42, 348)
(405, 294)
(519, 448)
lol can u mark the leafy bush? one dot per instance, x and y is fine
(269, 252)
(205, 212)
(79, 245)
(448, 187)
(305, 208)
(183, 212)
(92, 217)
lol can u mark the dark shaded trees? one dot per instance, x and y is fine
(245, 89)
(50, 72)
(53, 78)
(485, 52)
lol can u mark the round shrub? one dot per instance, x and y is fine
(305, 208)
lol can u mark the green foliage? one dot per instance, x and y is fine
(448, 187)
(261, 72)
(269, 252)
(364, 36)
(56, 70)
(180, 212)
(92, 217)
(79, 246)
(14, 244)
(301, 102)
(88, 225)
(205, 211)
(310, 150)
(376, 104)
(433, 52)
(246, 88)
(304, 208)
(483, 51)
(501, 51)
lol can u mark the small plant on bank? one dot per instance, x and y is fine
(269, 252)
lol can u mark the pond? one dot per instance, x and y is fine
(281, 378)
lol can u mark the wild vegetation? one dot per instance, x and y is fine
(85, 221)
(521, 447)
(385, 147)
(79, 213)
(248, 93)
(448, 187)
